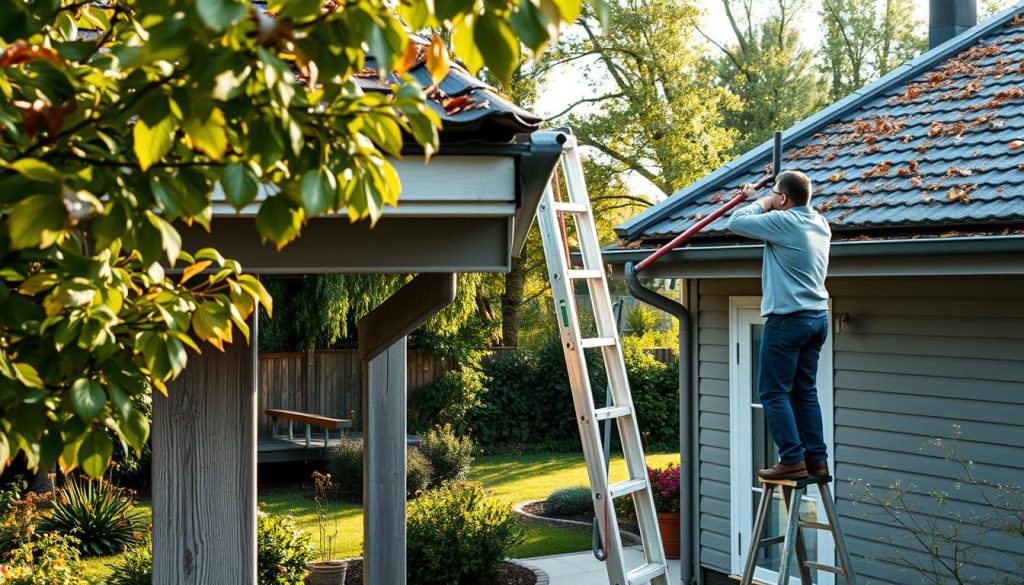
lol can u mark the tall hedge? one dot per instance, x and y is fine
(528, 403)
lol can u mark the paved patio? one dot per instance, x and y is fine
(583, 569)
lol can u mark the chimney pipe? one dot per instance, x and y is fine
(948, 18)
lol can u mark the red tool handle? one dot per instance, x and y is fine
(692, 230)
(739, 198)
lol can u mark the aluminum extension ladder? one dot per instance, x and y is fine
(563, 275)
(792, 540)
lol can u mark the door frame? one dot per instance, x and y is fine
(740, 437)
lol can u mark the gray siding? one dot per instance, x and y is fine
(918, 359)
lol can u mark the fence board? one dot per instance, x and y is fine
(336, 379)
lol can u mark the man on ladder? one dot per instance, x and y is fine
(795, 302)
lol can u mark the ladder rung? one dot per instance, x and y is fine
(772, 541)
(821, 567)
(589, 342)
(624, 488)
(815, 525)
(579, 274)
(611, 412)
(569, 207)
(644, 573)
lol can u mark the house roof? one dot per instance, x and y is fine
(936, 146)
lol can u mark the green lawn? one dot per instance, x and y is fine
(509, 478)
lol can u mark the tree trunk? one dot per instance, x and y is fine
(512, 301)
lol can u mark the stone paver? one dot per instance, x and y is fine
(583, 569)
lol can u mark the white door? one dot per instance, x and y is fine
(752, 448)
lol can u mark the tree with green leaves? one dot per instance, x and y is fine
(865, 39)
(117, 122)
(653, 114)
(767, 69)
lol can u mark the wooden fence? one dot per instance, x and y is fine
(329, 382)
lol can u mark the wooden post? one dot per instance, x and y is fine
(204, 470)
(382, 352)
(384, 453)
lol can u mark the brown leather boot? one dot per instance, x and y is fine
(818, 468)
(784, 471)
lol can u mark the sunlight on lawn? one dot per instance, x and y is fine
(509, 478)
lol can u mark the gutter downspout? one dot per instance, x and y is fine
(687, 461)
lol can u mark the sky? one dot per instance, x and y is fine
(570, 85)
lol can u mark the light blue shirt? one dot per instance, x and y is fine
(796, 245)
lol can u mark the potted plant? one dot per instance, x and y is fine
(325, 570)
(665, 488)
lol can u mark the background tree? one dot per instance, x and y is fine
(650, 113)
(107, 140)
(767, 69)
(865, 39)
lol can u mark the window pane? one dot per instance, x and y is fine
(756, 329)
(768, 557)
(763, 452)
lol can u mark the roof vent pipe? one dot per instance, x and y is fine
(948, 18)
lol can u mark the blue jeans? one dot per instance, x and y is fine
(790, 346)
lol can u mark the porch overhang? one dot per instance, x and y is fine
(468, 210)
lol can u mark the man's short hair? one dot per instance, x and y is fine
(796, 185)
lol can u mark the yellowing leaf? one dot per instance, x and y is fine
(152, 143)
(1015, 144)
(193, 270)
(208, 136)
(408, 58)
(438, 62)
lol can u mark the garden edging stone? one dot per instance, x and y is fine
(628, 538)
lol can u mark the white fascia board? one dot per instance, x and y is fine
(447, 186)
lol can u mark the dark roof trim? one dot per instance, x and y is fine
(633, 229)
(857, 248)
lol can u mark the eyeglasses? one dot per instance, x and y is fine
(774, 192)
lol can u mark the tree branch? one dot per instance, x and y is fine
(585, 101)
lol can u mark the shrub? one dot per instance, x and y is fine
(419, 472)
(449, 456)
(11, 493)
(99, 514)
(456, 536)
(447, 401)
(134, 567)
(282, 551)
(528, 401)
(19, 523)
(49, 560)
(655, 389)
(569, 502)
(345, 464)
(640, 319)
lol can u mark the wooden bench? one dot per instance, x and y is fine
(327, 423)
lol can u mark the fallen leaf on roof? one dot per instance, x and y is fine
(907, 139)
(842, 199)
(912, 165)
(927, 199)
(881, 168)
(842, 216)
(824, 206)
(1001, 190)
(1020, 167)
(953, 170)
(915, 181)
(698, 216)
(837, 176)
(1015, 144)
(819, 189)
(1016, 21)
(716, 198)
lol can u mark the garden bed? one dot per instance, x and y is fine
(533, 512)
(509, 573)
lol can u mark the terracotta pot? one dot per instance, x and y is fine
(326, 573)
(668, 523)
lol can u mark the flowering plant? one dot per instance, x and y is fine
(665, 487)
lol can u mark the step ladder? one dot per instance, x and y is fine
(792, 539)
(564, 275)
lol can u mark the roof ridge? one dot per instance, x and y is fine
(632, 227)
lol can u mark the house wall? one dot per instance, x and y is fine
(918, 358)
